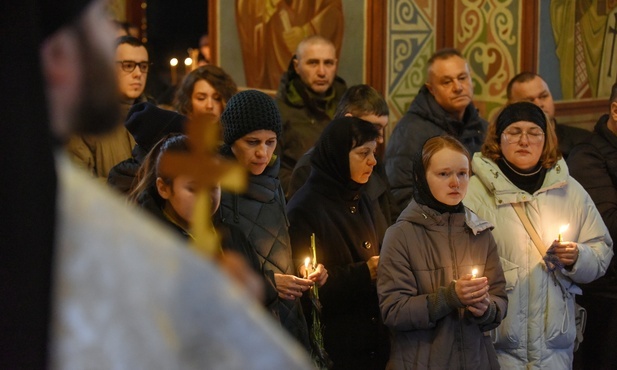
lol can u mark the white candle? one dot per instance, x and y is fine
(307, 262)
(562, 230)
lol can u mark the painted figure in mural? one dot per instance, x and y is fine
(443, 106)
(594, 164)
(529, 86)
(270, 31)
(585, 34)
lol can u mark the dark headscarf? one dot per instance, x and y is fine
(422, 193)
(331, 155)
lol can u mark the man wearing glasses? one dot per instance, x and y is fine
(98, 154)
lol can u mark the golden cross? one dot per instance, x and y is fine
(208, 170)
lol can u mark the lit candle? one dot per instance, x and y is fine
(474, 273)
(187, 65)
(307, 262)
(562, 230)
(174, 76)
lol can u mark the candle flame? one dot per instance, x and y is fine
(188, 61)
(307, 261)
(474, 273)
(173, 62)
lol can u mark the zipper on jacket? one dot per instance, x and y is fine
(460, 311)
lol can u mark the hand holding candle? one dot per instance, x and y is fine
(561, 253)
(316, 272)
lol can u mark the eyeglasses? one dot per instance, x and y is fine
(534, 136)
(128, 66)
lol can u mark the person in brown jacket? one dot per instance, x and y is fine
(98, 154)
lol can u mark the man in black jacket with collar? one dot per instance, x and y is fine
(443, 106)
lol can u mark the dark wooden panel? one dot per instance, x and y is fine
(376, 27)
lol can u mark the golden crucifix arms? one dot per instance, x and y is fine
(209, 170)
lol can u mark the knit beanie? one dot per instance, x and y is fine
(148, 124)
(521, 111)
(248, 111)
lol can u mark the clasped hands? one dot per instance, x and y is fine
(473, 293)
(291, 287)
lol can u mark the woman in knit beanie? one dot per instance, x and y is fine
(251, 126)
(440, 283)
(522, 186)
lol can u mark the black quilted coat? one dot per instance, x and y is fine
(260, 215)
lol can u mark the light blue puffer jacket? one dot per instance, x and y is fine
(539, 330)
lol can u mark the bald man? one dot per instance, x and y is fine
(307, 97)
(529, 86)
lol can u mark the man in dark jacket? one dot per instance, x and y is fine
(443, 106)
(307, 97)
(529, 86)
(593, 163)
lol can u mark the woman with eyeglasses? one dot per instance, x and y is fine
(522, 186)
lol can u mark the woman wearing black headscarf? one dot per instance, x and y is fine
(332, 205)
(440, 285)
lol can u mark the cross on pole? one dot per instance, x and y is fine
(612, 30)
(208, 170)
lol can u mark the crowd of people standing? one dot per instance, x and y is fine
(444, 252)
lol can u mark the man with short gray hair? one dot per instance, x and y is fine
(443, 106)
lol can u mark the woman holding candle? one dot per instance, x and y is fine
(440, 284)
(251, 126)
(332, 204)
(205, 90)
(521, 168)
